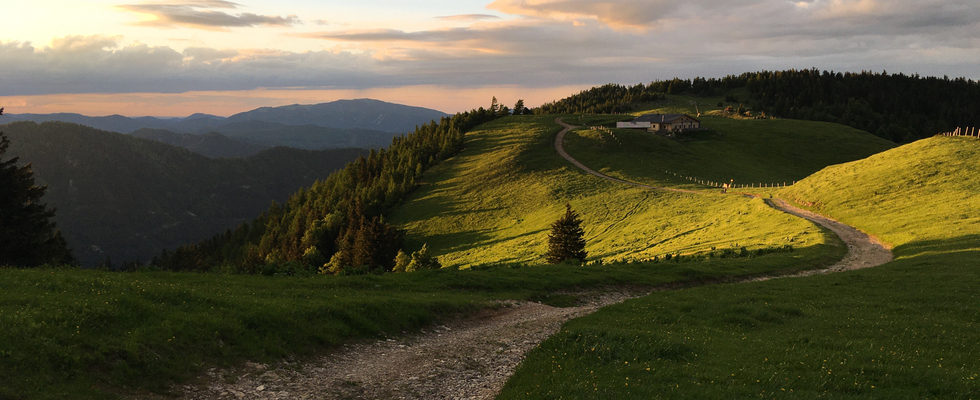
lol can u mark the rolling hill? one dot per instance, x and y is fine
(126, 198)
(906, 329)
(364, 114)
(361, 123)
(90, 332)
(211, 144)
(493, 203)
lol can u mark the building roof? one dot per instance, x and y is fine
(661, 118)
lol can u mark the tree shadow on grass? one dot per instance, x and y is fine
(962, 244)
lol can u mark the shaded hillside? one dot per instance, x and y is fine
(346, 114)
(127, 198)
(310, 137)
(211, 144)
(119, 123)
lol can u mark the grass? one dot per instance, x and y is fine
(749, 151)
(93, 334)
(905, 330)
(89, 334)
(494, 203)
(914, 197)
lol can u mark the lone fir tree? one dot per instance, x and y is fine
(567, 238)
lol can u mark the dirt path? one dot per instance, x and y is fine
(469, 358)
(559, 146)
(863, 251)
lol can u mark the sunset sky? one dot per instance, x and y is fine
(174, 58)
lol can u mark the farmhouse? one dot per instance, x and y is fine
(662, 122)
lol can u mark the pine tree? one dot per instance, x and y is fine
(519, 107)
(27, 235)
(567, 238)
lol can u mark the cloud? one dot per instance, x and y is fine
(684, 39)
(615, 13)
(469, 17)
(98, 64)
(393, 35)
(200, 15)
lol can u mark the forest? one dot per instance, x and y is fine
(337, 225)
(898, 107)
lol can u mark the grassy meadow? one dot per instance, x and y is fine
(904, 330)
(493, 204)
(745, 151)
(93, 334)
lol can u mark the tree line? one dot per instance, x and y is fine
(605, 99)
(338, 224)
(897, 107)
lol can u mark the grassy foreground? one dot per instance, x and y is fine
(93, 334)
(905, 330)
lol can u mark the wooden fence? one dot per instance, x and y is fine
(972, 132)
(608, 131)
(731, 184)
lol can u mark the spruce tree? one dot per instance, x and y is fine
(567, 238)
(27, 235)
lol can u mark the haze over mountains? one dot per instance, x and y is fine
(121, 197)
(362, 123)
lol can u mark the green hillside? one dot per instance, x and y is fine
(920, 194)
(904, 330)
(92, 333)
(493, 202)
(127, 198)
(745, 151)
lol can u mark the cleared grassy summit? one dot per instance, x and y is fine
(744, 150)
(493, 204)
(908, 329)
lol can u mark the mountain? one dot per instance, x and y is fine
(311, 137)
(346, 114)
(211, 144)
(126, 198)
(365, 114)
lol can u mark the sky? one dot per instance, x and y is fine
(175, 58)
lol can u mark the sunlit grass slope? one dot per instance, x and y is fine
(493, 204)
(909, 329)
(920, 194)
(744, 150)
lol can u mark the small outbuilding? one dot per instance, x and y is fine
(662, 122)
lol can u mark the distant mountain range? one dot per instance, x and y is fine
(362, 123)
(125, 198)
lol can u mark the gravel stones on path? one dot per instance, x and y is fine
(470, 358)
